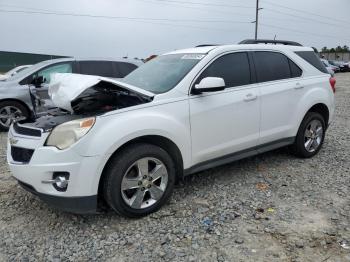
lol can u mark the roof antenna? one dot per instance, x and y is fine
(274, 37)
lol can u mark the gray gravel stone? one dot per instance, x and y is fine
(216, 215)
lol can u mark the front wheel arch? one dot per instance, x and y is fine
(165, 143)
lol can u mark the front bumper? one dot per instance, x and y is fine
(77, 205)
(81, 194)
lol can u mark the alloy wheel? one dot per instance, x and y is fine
(313, 135)
(8, 114)
(144, 183)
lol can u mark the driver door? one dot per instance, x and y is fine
(225, 122)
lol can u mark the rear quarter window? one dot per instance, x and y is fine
(313, 59)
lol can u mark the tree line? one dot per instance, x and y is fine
(338, 49)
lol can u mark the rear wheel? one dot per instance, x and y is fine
(139, 180)
(11, 111)
(310, 135)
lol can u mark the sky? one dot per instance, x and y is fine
(139, 28)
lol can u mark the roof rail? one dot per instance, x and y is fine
(205, 45)
(267, 41)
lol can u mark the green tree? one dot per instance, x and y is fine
(324, 49)
(339, 49)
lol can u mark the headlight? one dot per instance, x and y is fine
(66, 134)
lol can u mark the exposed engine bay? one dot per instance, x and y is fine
(104, 97)
(77, 96)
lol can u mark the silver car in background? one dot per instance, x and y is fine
(18, 93)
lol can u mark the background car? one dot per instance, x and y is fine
(13, 71)
(334, 68)
(16, 100)
(344, 67)
(329, 67)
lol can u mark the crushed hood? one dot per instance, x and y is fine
(65, 88)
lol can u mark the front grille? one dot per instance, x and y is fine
(23, 130)
(20, 154)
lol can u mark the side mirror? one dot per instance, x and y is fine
(38, 81)
(210, 84)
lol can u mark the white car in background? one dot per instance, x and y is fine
(127, 142)
(330, 68)
(13, 71)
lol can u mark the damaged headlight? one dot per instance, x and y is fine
(66, 134)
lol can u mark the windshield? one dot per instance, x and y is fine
(163, 73)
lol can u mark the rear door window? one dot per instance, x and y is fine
(271, 66)
(97, 68)
(124, 68)
(233, 68)
(313, 59)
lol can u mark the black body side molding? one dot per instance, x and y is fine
(239, 155)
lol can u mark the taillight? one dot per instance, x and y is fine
(332, 81)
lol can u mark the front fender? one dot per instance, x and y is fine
(110, 132)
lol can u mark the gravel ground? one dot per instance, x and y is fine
(273, 207)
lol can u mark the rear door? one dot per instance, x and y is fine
(225, 122)
(280, 89)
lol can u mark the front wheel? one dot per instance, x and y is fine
(139, 180)
(310, 135)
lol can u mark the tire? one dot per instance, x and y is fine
(9, 111)
(127, 171)
(310, 137)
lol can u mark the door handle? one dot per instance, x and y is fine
(250, 97)
(298, 86)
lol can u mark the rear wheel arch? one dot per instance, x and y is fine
(322, 109)
(165, 143)
(319, 108)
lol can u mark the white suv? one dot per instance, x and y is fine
(127, 142)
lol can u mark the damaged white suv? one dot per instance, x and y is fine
(127, 142)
